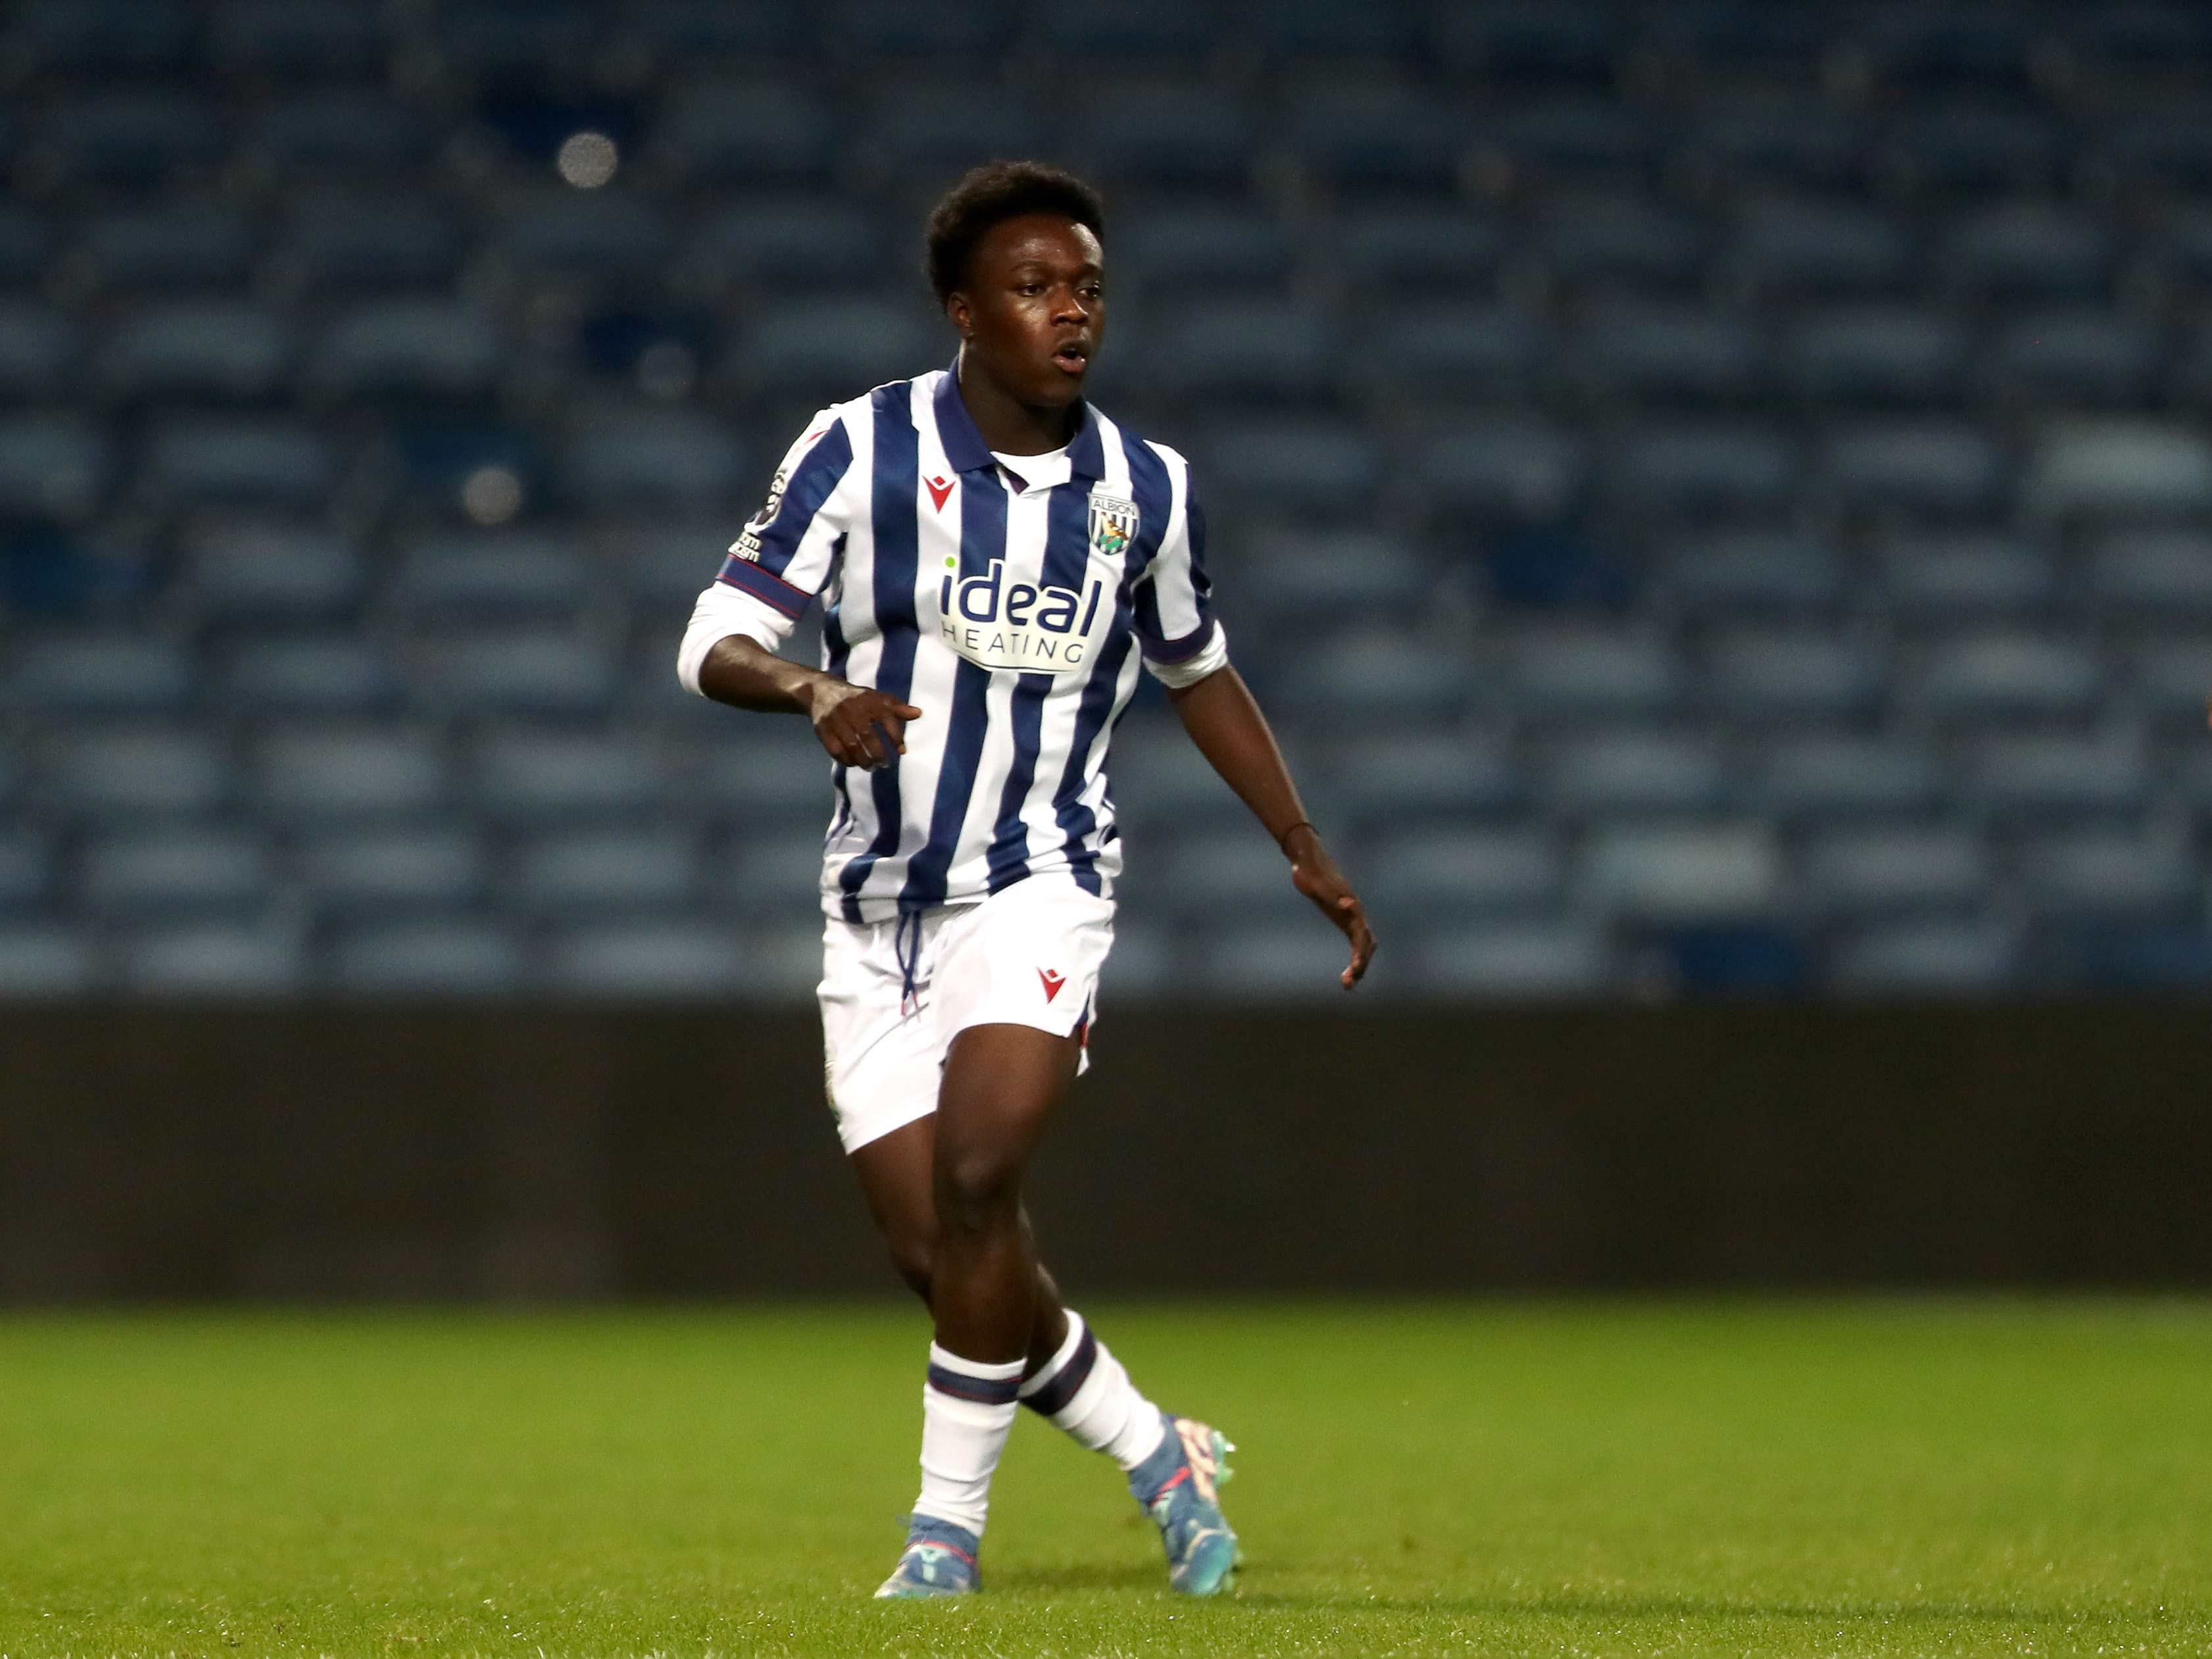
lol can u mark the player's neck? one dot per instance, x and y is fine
(1008, 426)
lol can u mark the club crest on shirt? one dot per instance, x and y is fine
(1112, 524)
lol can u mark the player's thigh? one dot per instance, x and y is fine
(1002, 1084)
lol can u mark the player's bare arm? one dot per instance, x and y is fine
(1227, 724)
(852, 722)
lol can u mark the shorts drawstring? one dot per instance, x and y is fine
(908, 948)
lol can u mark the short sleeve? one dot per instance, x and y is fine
(1181, 640)
(784, 555)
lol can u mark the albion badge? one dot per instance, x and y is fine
(1112, 524)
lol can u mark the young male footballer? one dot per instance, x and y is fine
(996, 559)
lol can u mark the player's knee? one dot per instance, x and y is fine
(977, 1192)
(914, 1259)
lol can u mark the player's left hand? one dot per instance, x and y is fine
(1314, 873)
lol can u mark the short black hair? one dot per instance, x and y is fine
(993, 194)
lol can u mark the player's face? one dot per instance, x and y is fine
(1032, 308)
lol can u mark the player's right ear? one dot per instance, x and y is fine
(962, 313)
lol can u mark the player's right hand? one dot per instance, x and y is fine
(855, 723)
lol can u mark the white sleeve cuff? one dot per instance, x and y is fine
(1191, 670)
(722, 612)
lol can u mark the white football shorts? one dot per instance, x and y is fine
(1028, 955)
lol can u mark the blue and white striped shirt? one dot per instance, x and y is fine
(1009, 599)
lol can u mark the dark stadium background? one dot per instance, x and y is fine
(1716, 497)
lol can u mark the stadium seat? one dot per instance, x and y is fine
(1416, 249)
(52, 466)
(1289, 466)
(1765, 140)
(1296, 576)
(771, 772)
(1840, 777)
(1365, 140)
(25, 872)
(2174, 149)
(2118, 468)
(379, 874)
(437, 457)
(1919, 465)
(516, 673)
(1542, 567)
(40, 350)
(515, 35)
(1686, 356)
(774, 875)
(1803, 249)
(217, 960)
(438, 959)
(1732, 961)
(602, 872)
(1443, 875)
(132, 137)
(175, 873)
(1971, 146)
(1170, 135)
(1227, 875)
(1580, 673)
(1508, 467)
(1388, 779)
(599, 233)
(1632, 774)
(1362, 671)
(1751, 573)
(2171, 679)
(1997, 675)
(269, 573)
(659, 961)
(182, 245)
(410, 348)
(750, 133)
(291, 37)
(40, 959)
(1720, 42)
(1293, 960)
(275, 462)
(1961, 47)
(828, 347)
(2155, 959)
(341, 130)
(1679, 874)
(371, 242)
(656, 458)
(25, 244)
(490, 577)
(313, 775)
(107, 35)
(325, 675)
(1610, 240)
(137, 775)
(2078, 357)
(206, 349)
(1931, 958)
(1260, 349)
(1695, 470)
(1965, 578)
(103, 674)
(1510, 960)
(904, 32)
(1566, 43)
(943, 127)
(1771, 675)
(1157, 780)
(2028, 249)
(1574, 140)
(1455, 352)
(1877, 355)
(1154, 31)
(2038, 777)
(2153, 574)
(1187, 248)
(553, 779)
(2108, 876)
(1860, 872)
(803, 244)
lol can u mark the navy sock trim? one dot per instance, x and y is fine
(1054, 1396)
(982, 1390)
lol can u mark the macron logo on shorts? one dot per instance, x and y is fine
(1052, 982)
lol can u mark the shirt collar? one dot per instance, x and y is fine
(966, 450)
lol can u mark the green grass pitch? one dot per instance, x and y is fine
(1821, 1477)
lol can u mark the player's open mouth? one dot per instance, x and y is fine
(1072, 358)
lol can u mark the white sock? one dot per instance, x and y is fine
(967, 1407)
(1086, 1391)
